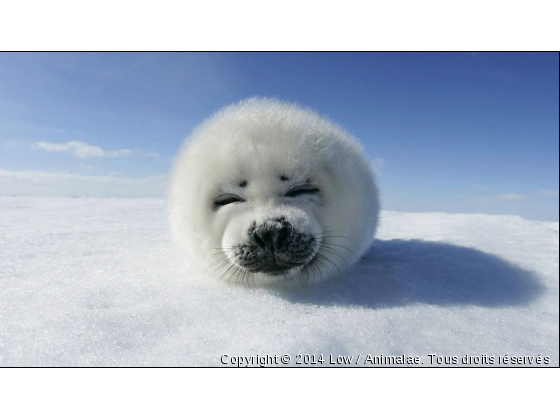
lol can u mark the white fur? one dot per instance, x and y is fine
(258, 140)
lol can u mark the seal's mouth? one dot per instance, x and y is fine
(277, 269)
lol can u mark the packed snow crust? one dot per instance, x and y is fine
(97, 282)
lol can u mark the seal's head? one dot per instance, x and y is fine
(267, 192)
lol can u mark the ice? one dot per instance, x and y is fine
(97, 282)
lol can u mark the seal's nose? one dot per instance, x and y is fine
(275, 247)
(272, 236)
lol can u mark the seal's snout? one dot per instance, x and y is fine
(274, 247)
(272, 237)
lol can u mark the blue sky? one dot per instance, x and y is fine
(451, 132)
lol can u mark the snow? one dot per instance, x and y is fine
(97, 282)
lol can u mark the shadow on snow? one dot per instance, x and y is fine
(398, 273)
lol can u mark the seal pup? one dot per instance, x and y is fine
(267, 192)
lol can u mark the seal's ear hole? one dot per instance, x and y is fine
(284, 178)
(243, 184)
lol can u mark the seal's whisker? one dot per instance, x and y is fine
(224, 263)
(348, 249)
(325, 260)
(217, 253)
(322, 233)
(343, 237)
(234, 274)
(229, 267)
(331, 247)
(213, 265)
(333, 263)
(337, 255)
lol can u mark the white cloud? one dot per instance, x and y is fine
(507, 196)
(151, 154)
(511, 196)
(69, 184)
(550, 193)
(83, 165)
(84, 150)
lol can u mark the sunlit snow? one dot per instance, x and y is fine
(97, 282)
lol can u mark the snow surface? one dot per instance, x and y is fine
(97, 282)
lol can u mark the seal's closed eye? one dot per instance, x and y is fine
(225, 199)
(305, 189)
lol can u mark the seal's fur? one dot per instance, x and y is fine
(265, 191)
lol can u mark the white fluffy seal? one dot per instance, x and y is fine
(268, 192)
